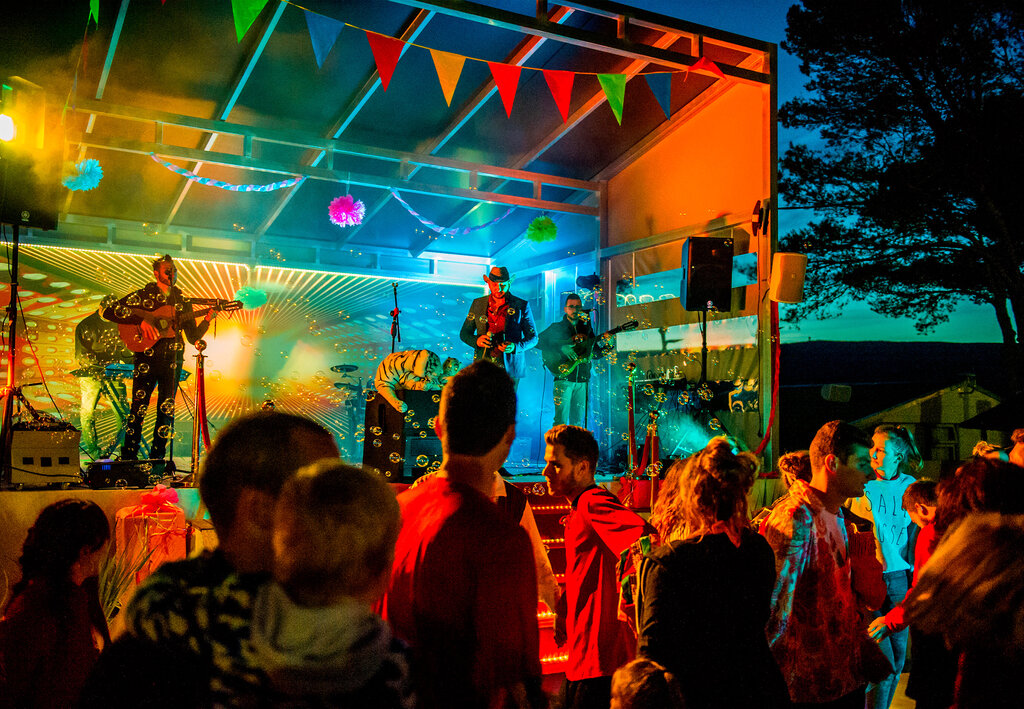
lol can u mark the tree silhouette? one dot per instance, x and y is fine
(917, 181)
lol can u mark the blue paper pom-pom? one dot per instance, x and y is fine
(86, 176)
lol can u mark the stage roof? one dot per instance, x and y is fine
(174, 79)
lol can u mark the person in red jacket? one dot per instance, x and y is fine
(463, 590)
(598, 530)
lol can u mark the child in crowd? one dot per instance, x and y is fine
(644, 684)
(920, 501)
(313, 630)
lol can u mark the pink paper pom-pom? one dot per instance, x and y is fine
(346, 211)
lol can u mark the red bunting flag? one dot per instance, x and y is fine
(386, 51)
(707, 65)
(506, 77)
(560, 83)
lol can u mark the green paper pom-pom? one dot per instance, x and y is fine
(542, 229)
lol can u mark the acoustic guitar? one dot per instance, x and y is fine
(561, 366)
(165, 320)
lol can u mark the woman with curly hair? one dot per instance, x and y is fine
(706, 593)
(53, 629)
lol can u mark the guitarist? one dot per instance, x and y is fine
(159, 366)
(570, 341)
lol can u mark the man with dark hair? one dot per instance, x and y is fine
(567, 347)
(500, 326)
(197, 613)
(161, 312)
(598, 530)
(823, 565)
(463, 589)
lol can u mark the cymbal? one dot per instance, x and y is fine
(344, 385)
(344, 368)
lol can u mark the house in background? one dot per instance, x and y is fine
(936, 420)
(930, 387)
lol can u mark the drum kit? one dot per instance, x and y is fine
(346, 370)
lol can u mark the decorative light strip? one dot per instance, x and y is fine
(554, 658)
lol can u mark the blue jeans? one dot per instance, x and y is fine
(894, 645)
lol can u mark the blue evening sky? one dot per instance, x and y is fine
(766, 20)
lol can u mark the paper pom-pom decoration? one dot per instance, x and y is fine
(251, 297)
(542, 229)
(86, 175)
(347, 211)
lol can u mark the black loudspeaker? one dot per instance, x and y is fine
(401, 447)
(707, 273)
(30, 163)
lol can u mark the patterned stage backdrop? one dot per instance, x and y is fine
(283, 350)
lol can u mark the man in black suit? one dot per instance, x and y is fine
(500, 326)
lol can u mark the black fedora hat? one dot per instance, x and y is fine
(498, 274)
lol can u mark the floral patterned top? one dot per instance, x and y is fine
(815, 629)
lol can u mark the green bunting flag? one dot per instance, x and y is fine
(246, 12)
(614, 86)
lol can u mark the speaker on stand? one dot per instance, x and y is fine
(707, 273)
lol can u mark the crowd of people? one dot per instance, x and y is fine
(327, 590)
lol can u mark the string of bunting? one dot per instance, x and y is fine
(228, 185)
(448, 231)
(387, 50)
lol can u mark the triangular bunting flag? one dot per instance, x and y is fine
(707, 65)
(506, 77)
(614, 86)
(449, 68)
(246, 12)
(386, 52)
(323, 31)
(560, 83)
(94, 11)
(661, 87)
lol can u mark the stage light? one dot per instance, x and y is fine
(7, 131)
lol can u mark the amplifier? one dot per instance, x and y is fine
(123, 473)
(401, 447)
(47, 457)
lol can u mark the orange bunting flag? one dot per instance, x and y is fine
(449, 68)
(506, 77)
(386, 52)
(707, 65)
(246, 12)
(614, 86)
(560, 83)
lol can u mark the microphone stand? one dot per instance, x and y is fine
(396, 330)
(10, 391)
